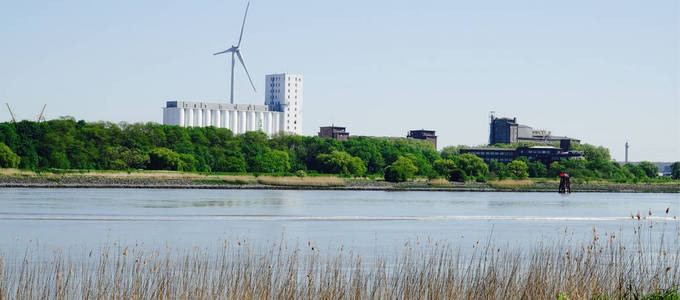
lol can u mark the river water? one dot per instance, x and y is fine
(369, 221)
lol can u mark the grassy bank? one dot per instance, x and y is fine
(172, 179)
(604, 268)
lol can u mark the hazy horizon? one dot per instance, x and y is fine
(602, 72)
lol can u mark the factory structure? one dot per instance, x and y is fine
(508, 131)
(281, 112)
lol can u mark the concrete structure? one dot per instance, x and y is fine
(239, 118)
(544, 154)
(508, 131)
(283, 92)
(334, 132)
(282, 111)
(428, 135)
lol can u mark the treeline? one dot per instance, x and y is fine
(69, 144)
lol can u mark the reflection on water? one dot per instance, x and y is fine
(360, 219)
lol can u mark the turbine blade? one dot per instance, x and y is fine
(243, 25)
(225, 51)
(240, 58)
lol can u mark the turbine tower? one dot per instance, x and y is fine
(236, 52)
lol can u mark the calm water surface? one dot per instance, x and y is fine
(369, 221)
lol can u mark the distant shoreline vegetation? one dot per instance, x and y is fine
(69, 144)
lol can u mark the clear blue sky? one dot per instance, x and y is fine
(603, 71)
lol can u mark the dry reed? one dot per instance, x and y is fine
(301, 181)
(511, 184)
(605, 267)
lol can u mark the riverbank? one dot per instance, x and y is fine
(12, 178)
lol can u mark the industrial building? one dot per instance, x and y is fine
(282, 111)
(508, 131)
(422, 134)
(544, 154)
(334, 132)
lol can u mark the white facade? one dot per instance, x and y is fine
(283, 92)
(239, 118)
(282, 111)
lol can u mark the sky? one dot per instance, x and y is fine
(605, 72)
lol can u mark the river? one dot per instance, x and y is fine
(369, 221)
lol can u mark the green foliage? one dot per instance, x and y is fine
(339, 162)
(518, 169)
(651, 170)
(444, 167)
(555, 169)
(675, 170)
(8, 159)
(636, 171)
(472, 165)
(269, 160)
(591, 152)
(497, 170)
(165, 159)
(449, 152)
(69, 144)
(300, 173)
(401, 170)
(537, 169)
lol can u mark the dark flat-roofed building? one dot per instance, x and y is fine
(508, 131)
(334, 132)
(422, 134)
(544, 154)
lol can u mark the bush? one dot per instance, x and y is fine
(7, 158)
(401, 170)
(339, 162)
(472, 165)
(518, 169)
(675, 170)
(165, 159)
(118, 165)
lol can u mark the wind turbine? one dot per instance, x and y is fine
(236, 52)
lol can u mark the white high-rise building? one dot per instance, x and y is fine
(282, 111)
(283, 92)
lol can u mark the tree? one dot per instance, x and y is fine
(401, 170)
(591, 152)
(650, 169)
(537, 169)
(165, 159)
(445, 167)
(271, 161)
(339, 162)
(555, 169)
(8, 159)
(449, 152)
(518, 169)
(498, 169)
(472, 166)
(675, 170)
(636, 171)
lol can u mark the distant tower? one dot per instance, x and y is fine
(283, 92)
(626, 152)
(491, 117)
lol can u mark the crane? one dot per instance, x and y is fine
(41, 116)
(11, 113)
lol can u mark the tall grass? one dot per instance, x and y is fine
(325, 181)
(511, 184)
(605, 267)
